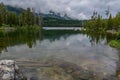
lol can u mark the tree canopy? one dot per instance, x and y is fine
(26, 18)
(97, 23)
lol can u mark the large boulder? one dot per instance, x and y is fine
(10, 71)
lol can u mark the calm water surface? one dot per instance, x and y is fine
(91, 52)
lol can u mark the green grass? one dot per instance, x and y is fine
(34, 27)
(115, 43)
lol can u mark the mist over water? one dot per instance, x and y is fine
(76, 48)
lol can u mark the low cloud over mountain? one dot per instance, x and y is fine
(77, 9)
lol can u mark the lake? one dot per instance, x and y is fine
(62, 28)
(64, 54)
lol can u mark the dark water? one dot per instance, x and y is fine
(90, 52)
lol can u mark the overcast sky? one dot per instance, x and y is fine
(78, 9)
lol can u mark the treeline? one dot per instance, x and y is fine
(50, 22)
(26, 18)
(97, 23)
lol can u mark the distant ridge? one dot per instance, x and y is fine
(51, 14)
(52, 19)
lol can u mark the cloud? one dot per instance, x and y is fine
(78, 9)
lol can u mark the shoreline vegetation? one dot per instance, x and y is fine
(26, 19)
(111, 25)
(23, 28)
(116, 43)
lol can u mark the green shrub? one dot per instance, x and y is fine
(115, 43)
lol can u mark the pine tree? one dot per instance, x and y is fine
(110, 22)
(12, 19)
(2, 14)
(98, 23)
(117, 20)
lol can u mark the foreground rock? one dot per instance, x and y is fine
(10, 71)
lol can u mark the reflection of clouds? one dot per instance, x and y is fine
(76, 40)
(75, 48)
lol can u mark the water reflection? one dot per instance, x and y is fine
(18, 37)
(88, 51)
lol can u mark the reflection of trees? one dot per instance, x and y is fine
(96, 38)
(18, 37)
(30, 36)
(3, 44)
(57, 34)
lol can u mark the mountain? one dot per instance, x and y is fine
(51, 14)
(14, 9)
(52, 19)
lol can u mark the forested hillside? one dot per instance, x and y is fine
(52, 19)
